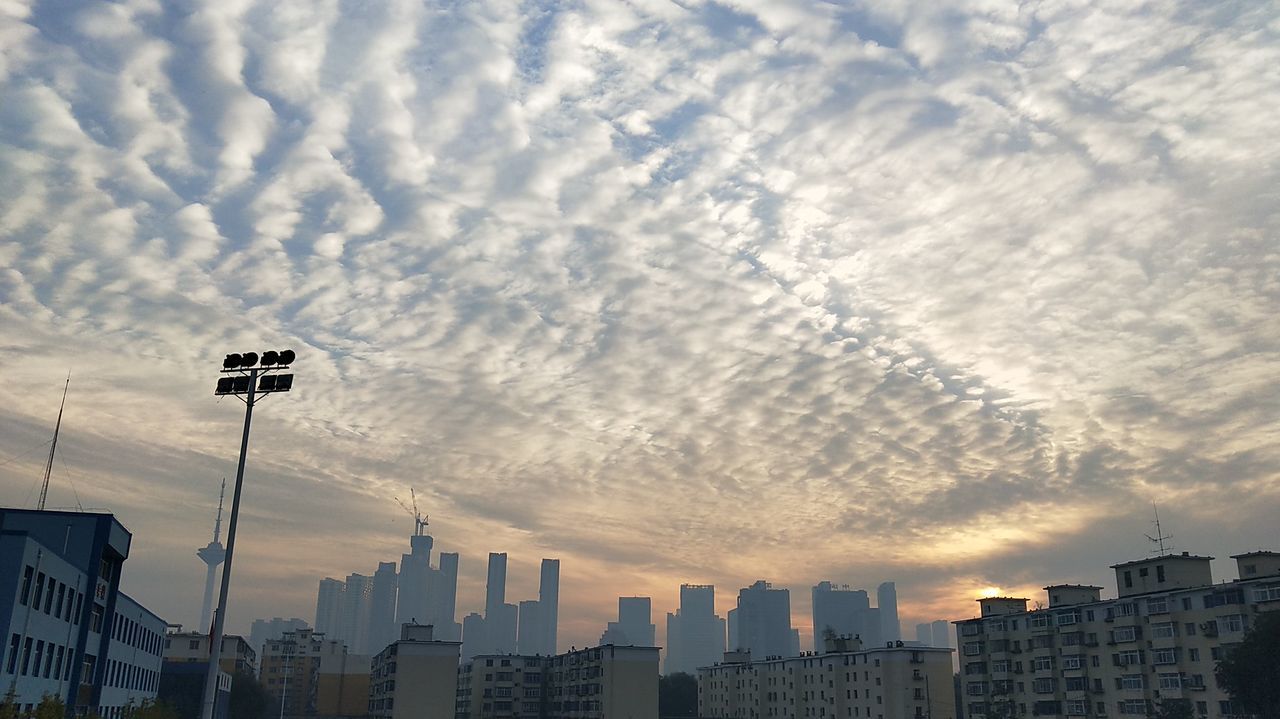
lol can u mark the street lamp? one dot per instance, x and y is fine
(247, 377)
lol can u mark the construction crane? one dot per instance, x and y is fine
(419, 519)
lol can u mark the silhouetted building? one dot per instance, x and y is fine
(887, 603)
(633, 627)
(844, 611)
(762, 622)
(549, 605)
(606, 682)
(695, 635)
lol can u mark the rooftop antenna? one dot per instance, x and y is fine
(419, 519)
(48, 467)
(217, 523)
(1158, 540)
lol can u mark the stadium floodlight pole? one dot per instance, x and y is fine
(243, 377)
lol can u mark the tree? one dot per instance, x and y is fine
(249, 698)
(9, 705)
(149, 710)
(50, 707)
(1250, 672)
(1173, 709)
(678, 695)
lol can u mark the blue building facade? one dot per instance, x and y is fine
(59, 597)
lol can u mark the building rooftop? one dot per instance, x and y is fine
(1180, 557)
(1072, 586)
(1256, 553)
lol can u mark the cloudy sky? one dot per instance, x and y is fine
(941, 292)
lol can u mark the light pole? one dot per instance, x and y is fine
(246, 377)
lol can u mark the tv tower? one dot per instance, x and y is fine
(212, 555)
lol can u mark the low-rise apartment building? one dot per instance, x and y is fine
(415, 677)
(1155, 644)
(895, 681)
(606, 681)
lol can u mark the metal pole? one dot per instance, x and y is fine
(215, 639)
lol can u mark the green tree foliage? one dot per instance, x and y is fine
(678, 695)
(50, 707)
(1250, 672)
(1173, 709)
(250, 700)
(9, 705)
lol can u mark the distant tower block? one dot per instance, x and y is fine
(212, 554)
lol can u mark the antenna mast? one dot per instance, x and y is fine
(48, 467)
(217, 524)
(1158, 540)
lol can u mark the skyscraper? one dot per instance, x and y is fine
(763, 621)
(942, 636)
(500, 618)
(443, 594)
(887, 602)
(413, 605)
(695, 635)
(529, 636)
(382, 608)
(633, 627)
(924, 633)
(356, 610)
(329, 607)
(549, 604)
(844, 611)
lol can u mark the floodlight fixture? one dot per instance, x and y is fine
(284, 382)
(249, 359)
(287, 357)
(225, 385)
(270, 357)
(231, 362)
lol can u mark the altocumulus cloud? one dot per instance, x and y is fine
(674, 291)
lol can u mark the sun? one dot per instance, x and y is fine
(987, 592)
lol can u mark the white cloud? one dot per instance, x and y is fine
(652, 282)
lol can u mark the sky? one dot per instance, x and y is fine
(946, 293)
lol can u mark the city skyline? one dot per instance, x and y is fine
(944, 294)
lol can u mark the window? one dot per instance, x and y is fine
(1266, 594)
(1126, 609)
(14, 642)
(1128, 579)
(971, 649)
(95, 618)
(1170, 681)
(1128, 657)
(970, 629)
(1131, 682)
(1044, 685)
(1042, 664)
(26, 655)
(1042, 641)
(1133, 706)
(1159, 605)
(1073, 661)
(975, 668)
(976, 689)
(1164, 656)
(1000, 666)
(35, 602)
(1068, 618)
(1232, 623)
(1159, 572)
(1193, 654)
(1076, 684)
(1124, 634)
(26, 584)
(1077, 707)
(1039, 620)
(1163, 630)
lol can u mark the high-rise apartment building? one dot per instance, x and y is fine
(549, 605)
(762, 622)
(329, 607)
(382, 608)
(845, 611)
(634, 626)
(695, 634)
(1154, 646)
(529, 635)
(426, 594)
(844, 680)
(887, 603)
